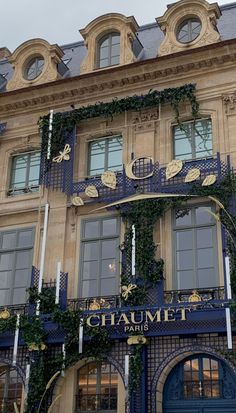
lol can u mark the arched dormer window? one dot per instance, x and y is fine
(109, 50)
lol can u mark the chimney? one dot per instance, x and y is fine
(4, 53)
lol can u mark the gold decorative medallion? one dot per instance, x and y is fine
(77, 201)
(64, 155)
(108, 179)
(5, 314)
(195, 297)
(136, 340)
(37, 347)
(192, 175)
(91, 191)
(173, 168)
(95, 305)
(209, 180)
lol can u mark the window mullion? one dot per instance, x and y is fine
(106, 154)
(27, 170)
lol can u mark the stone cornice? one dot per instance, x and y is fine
(91, 85)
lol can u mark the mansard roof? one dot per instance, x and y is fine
(149, 35)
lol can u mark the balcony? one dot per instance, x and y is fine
(201, 296)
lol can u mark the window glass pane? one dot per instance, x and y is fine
(19, 295)
(22, 278)
(115, 60)
(186, 280)
(184, 240)
(182, 148)
(6, 261)
(89, 289)
(109, 268)
(91, 251)
(109, 226)
(5, 279)
(183, 217)
(184, 260)
(25, 171)
(109, 248)
(25, 238)
(23, 259)
(115, 50)
(104, 63)
(204, 237)
(115, 39)
(97, 164)
(104, 52)
(205, 258)
(202, 216)
(91, 229)
(90, 270)
(207, 278)
(9, 240)
(4, 297)
(108, 286)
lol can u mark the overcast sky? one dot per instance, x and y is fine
(58, 21)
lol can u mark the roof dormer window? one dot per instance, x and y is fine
(34, 68)
(109, 50)
(189, 30)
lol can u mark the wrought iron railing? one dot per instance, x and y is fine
(96, 403)
(194, 295)
(13, 309)
(94, 303)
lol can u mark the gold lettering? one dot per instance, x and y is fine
(129, 168)
(123, 319)
(183, 313)
(169, 315)
(132, 314)
(150, 317)
(89, 319)
(106, 320)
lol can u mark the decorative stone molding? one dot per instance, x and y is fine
(230, 102)
(111, 22)
(145, 120)
(184, 9)
(51, 54)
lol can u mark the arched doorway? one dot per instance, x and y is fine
(99, 389)
(200, 384)
(11, 388)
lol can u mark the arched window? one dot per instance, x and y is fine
(200, 381)
(109, 50)
(97, 388)
(10, 389)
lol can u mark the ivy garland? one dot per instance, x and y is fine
(64, 123)
(143, 215)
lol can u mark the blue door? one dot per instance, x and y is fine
(200, 384)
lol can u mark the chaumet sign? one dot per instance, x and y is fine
(139, 320)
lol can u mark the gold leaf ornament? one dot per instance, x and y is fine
(64, 155)
(5, 314)
(192, 175)
(127, 290)
(173, 168)
(108, 179)
(77, 201)
(91, 191)
(209, 180)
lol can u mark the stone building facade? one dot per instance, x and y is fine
(105, 209)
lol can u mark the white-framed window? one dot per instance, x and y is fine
(108, 50)
(105, 154)
(16, 251)
(99, 269)
(25, 169)
(193, 140)
(195, 248)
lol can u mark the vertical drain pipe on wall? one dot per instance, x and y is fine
(227, 310)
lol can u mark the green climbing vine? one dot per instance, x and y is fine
(66, 121)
